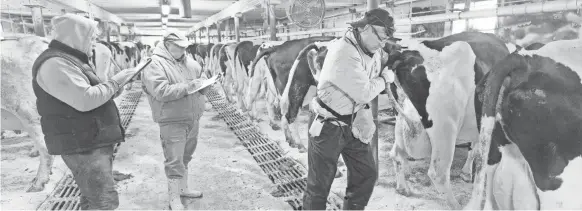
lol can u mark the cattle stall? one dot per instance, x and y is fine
(245, 160)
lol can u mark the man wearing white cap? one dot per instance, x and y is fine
(167, 81)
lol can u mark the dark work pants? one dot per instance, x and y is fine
(323, 153)
(93, 174)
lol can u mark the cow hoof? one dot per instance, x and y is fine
(275, 126)
(301, 148)
(33, 153)
(338, 174)
(468, 178)
(404, 191)
(36, 186)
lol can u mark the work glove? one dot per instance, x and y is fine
(388, 77)
(123, 75)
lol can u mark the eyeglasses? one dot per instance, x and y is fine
(383, 40)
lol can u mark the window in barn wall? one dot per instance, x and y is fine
(486, 25)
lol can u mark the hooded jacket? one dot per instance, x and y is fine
(76, 107)
(166, 80)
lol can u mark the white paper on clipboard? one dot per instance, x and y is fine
(205, 84)
(139, 68)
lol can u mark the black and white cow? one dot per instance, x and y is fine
(279, 60)
(261, 84)
(438, 77)
(532, 127)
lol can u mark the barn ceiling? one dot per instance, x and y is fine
(146, 15)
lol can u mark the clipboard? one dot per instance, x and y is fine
(140, 68)
(205, 84)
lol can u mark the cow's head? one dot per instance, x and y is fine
(411, 73)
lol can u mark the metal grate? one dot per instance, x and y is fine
(287, 174)
(66, 195)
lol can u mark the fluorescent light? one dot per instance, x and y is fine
(165, 9)
(164, 20)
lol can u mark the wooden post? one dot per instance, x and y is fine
(467, 8)
(449, 24)
(37, 20)
(218, 25)
(107, 31)
(237, 26)
(227, 30)
(208, 34)
(373, 4)
(272, 22)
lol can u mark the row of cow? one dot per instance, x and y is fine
(19, 102)
(520, 108)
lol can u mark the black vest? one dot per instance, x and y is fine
(67, 130)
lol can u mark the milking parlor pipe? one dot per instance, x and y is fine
(522, 9)
(373, 4)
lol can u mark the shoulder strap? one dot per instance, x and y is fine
(51, 53)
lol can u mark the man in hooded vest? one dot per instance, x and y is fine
(79, 119)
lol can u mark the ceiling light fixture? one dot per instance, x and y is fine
(165, 9)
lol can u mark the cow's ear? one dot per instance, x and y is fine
(413, 57)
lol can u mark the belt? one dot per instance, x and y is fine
(343, 118)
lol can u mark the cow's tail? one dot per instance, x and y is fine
(285, 96)
(258, 57)
(494, 85)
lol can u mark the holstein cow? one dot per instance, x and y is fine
(279, 60)
(239, 62)
(261, 84)
(532, 127)
(439, 78)
(125, 54)
(19, 102)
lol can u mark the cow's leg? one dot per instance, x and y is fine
(399, 158)
(274, 117)
(46, 160)
(467, 171)
(443, 138)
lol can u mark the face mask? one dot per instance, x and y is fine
(371, 38)
(175, 51)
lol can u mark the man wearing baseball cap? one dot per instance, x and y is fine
(167, 81)
(344, 123)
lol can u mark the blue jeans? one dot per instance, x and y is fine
(93, 174)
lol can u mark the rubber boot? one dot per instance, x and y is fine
(185, 192)
(174, 191)
(350, 206)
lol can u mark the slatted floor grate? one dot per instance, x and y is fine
(287, 174)
(66, 195)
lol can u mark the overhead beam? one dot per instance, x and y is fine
(185, 8)
(137, 20)
(130, 16)
(89, 7)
